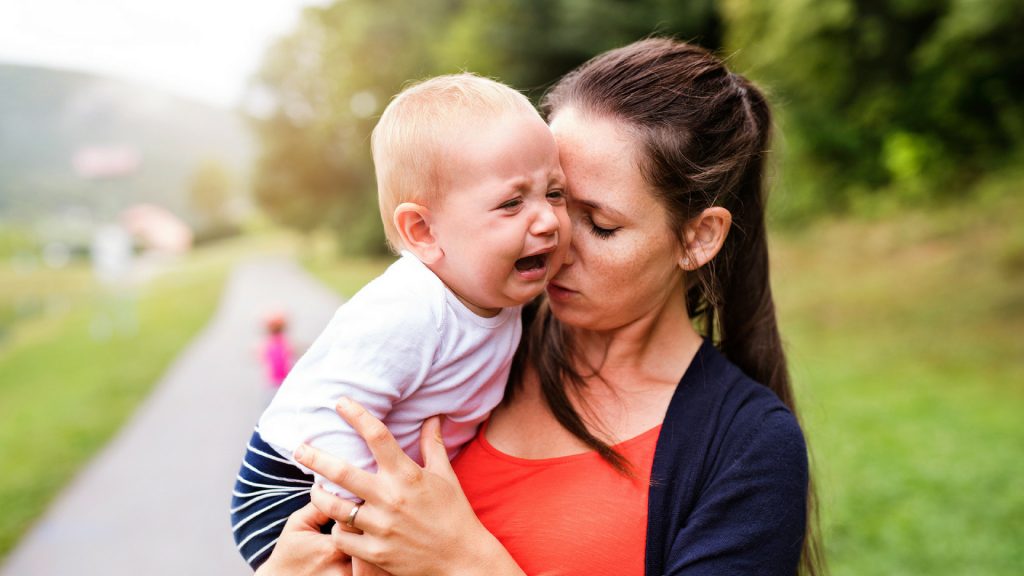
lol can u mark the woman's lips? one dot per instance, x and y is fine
(559, 293)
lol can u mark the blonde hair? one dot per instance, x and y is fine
(410, 139)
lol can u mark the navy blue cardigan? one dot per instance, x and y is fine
(729, 482)
(728, 487)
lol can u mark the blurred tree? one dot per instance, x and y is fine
(328, 81)
(911, 96)
(210, 193)
(531, 43)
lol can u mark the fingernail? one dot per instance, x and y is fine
(344, 403)
(300, 453)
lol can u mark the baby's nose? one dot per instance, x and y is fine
(545, 222)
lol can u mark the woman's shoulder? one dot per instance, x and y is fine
(730, 476)
(719, 416)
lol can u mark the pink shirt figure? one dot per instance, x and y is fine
(277, 355)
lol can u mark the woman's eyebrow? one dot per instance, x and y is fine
(598, 207)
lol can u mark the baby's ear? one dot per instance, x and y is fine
(413, 222)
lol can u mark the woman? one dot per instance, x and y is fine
(628, 443)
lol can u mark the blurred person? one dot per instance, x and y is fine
(650, 427)
(471, 195)
(276, 351)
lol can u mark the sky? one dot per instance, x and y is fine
(201, 49)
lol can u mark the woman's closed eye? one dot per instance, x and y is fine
(599, 231)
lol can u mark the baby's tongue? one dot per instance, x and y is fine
(529, 263)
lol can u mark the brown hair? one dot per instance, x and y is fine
(704, 134)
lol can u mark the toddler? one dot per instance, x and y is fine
(276, 350)
(471, 196)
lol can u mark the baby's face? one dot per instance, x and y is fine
(502, 224)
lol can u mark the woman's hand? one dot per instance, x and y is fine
(302, 550)
(414, 520)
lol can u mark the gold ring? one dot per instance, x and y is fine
(351, 520)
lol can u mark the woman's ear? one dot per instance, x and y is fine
(704, 236)
(413, 222)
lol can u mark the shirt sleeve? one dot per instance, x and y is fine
(267, 490)
(750, 517)
(377, 350)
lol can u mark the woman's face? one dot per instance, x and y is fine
(623, 264)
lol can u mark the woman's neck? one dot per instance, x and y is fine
(639, 366)
(655, 348)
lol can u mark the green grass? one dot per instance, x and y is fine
(346, 274)
(64, 392)
(906, 342)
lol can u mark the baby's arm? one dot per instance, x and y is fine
(376, 351)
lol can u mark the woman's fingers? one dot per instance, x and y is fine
(307, 518)
(382, 444)
(356, 546)
(339, 509)
(355, 480)
(435, 455)
(302, 550)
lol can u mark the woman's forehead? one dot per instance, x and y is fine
(598, 156)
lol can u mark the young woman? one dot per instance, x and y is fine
(650, 428)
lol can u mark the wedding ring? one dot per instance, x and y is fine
(351, 520)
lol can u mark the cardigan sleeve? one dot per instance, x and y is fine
(750, 516)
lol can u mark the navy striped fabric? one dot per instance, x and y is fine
(268, 489)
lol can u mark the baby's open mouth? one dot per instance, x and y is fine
(531, 262)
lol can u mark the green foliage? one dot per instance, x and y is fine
(910, 101)
(210, 192)
(914, 96)
(330, 79)
(531, 43)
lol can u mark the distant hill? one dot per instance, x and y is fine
(75, 141)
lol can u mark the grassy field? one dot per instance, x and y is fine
(76, 366)
(906, 340)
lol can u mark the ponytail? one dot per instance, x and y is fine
(739, 311)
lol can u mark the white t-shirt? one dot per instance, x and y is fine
(405, 348)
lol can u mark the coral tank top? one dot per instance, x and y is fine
(571, 515)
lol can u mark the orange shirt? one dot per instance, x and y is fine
(569, 515)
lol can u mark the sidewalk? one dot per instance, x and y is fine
(155, 500)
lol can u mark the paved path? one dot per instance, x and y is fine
(155, 500)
